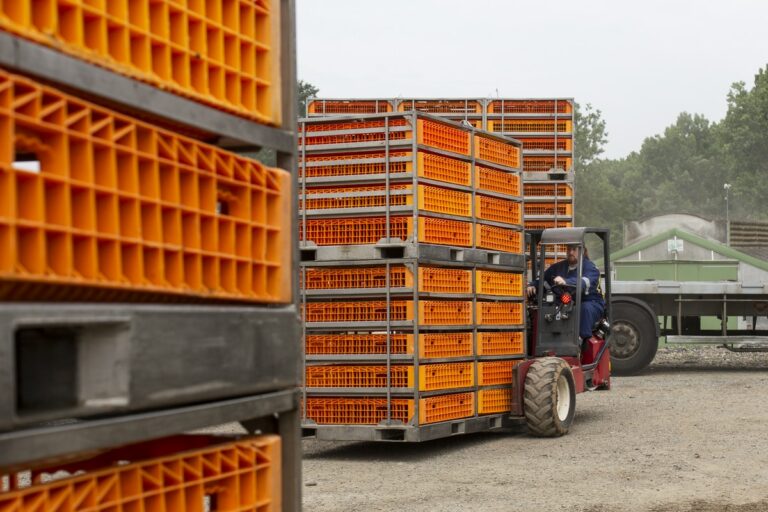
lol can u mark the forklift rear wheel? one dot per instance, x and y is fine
(550, 397)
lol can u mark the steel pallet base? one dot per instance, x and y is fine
(406, 433)
(406, 250)
(63, 361)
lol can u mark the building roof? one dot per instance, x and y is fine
(717, 247)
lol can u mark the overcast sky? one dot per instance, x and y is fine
(640, 62)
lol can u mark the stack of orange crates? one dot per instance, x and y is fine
(545, 128)
(412, 271)
(99, 205)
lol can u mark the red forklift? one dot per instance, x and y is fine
(562, 364)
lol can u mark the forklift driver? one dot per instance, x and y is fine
(565, 273)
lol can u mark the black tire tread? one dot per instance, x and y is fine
(540, 395)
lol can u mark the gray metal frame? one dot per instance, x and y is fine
(227, 131)
(485, 116)
(411, 253)
(407, 433)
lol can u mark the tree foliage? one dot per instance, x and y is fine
(304, 91)
(682, 170)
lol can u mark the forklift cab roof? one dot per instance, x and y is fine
(570, 236)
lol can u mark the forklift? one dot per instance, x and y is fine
(560, 363)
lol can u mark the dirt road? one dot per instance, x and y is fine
(690, 434)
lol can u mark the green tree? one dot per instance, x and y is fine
(590, 136)
(304, 91)
(744, 137)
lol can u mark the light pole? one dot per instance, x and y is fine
(727, 188)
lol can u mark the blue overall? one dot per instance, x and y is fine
(592, 303)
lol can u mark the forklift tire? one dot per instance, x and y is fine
(633, 340)
(549, 398)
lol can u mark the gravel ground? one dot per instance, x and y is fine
(687, 435)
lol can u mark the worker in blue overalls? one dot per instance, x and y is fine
(565, 272)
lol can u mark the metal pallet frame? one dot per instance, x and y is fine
(407, 433)
(272, 412)
(408, 252)
(484, 117)
(388, 145)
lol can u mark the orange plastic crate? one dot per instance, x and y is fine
(431, 312)
(444, 345)
(559, 209)
(444, 168)
(443, 136)
(499, 210)
(499, 313)
(431, 345)
(432, 377)
(546, 144)
(110, 207)
(190, 473)
(359, 131)
(491, 373)
(360, 311)
(320, 106)
(360, 125)
(445, 312)
(355, 164)
(531, 126)
(370, 230)
(442, 106)
(445, 232)
(496, 151)
(352, 199)
(508, 284)
(546, 163)
(547, 224)
(500, 343)
(446, 407)
(431, 279)
(545, 106)
(499, 239)
(356, 277)
(446, 201)
(498, 181)
(494, 401)
(357, 411)
(331, 344)
(222, 53)
(358, 376)
(445, 280)
(560, 190)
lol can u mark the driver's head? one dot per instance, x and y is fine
(573, 254)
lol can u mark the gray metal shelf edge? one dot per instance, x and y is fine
(408, 433)
(400, 293)
(234, 132)
(45, 441)
(403, 359)
(393, 391)
(402, 325)
(75, 360)
(405, 178)
(465, 265)
(423, 252)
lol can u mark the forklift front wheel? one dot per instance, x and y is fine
(550, 397)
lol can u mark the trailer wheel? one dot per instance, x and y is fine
(550, 397)
(632, 341)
